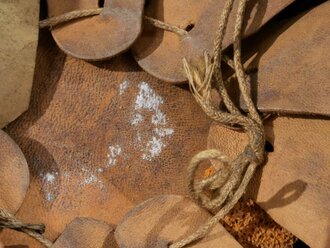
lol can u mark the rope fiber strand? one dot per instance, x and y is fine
(7, 220)
(77, 14)
(229, 181)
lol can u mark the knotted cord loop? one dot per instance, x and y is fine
(230, 181)
(7, 220)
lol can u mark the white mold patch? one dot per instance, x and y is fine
(114, 152)
(163, 132)
(49, 184)
(137, 118)
(153, 148)
(147, 98)
(123, 87)
(151, 143)
(50, 177)
(92, 179)
(50, 197)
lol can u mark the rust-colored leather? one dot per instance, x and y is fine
(98, 37)
(14, 174)
(160, 52)
(293, 64)
(87, 233)
(293, 186)
(101, 138)
(168, 218)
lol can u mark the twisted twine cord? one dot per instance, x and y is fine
(7, 220)
(230, 180)
(69, 16)
(73, 15)
(165, 26)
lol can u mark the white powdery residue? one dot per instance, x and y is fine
(50, 177)
(50, 197)
(153, 148)
(147, 98)
(114, 152)
(138, 137)
(100, 170)
(137, 118)
(123, 87)
(91, 179)
(155, 145)
(159, 118)
(163, 132)
(49, 185)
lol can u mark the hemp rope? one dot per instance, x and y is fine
(7, 220)
(230, 181)
(66, 17)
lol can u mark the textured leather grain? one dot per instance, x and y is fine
(100, 138)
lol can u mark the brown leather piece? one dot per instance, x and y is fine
(98, 37)
(293, 186)
(101, 138)
(14, 174)
(160, 52)
(165, 219)
(18, 44)
(87, 233)
(292, 62)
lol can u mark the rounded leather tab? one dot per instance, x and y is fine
(87, 233)
(97, 37)
(160, 52)
(165, 219)
(14, 174)
(292, 63)
(18, 45)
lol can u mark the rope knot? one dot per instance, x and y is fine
(223, 189)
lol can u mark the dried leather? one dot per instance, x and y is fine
(160, 52)
(293, 185)
(87, 233)
(164, 219)
(14, 174)
(292, 63)
(98, 37)
(81, 113)
(18, 45)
